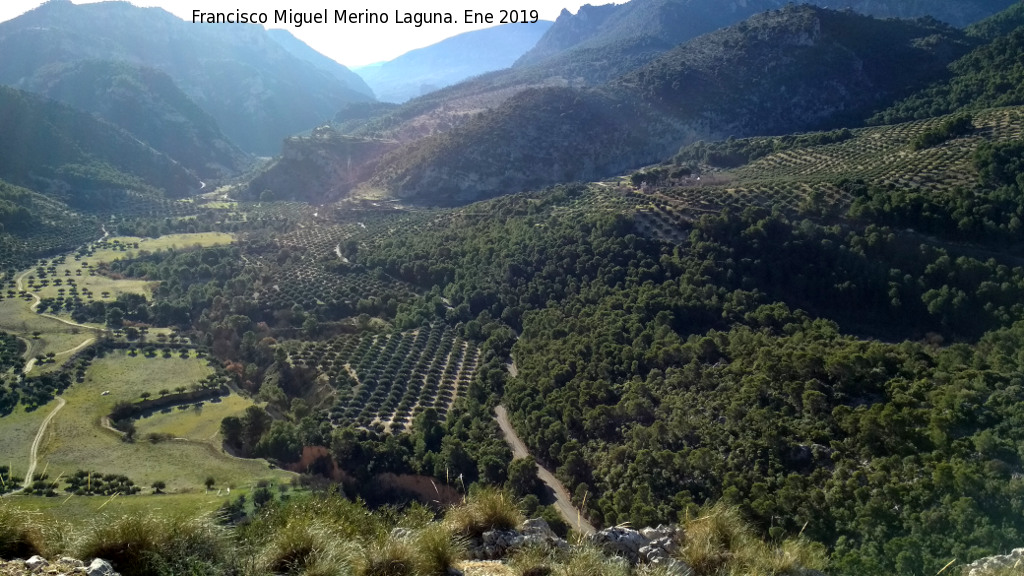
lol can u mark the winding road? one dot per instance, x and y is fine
(33, 455)
(562, 501)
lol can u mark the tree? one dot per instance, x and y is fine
(159, 486)
(115, 317)
(209, 482)
(522, 477)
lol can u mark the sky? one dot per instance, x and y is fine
(351, 45)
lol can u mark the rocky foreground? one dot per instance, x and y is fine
(37, 565)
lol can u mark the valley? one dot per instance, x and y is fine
(696, 290)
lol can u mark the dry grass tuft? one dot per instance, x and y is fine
(485, 509)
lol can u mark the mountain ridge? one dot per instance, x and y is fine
(258, 92)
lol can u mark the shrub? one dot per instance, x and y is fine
(486, 509)
(437, 550)
(387, 557)
(147, 545)
(20, 534)
(306, 546)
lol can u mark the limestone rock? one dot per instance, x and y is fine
(993, 564)
(100, 567)
(624, 542)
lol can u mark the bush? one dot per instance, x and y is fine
(486, 509)
(306, 546)
(720, 541)
(148, 545)
(437, 550)
(387, 557)
(20, 534)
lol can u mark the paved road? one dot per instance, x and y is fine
(562, 500)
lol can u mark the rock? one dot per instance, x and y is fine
(538, 526)
(994, 563)
(73, 562)
(452, 571)
(100, 568)
(36, 563)
(624, 542)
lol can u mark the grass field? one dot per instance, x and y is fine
(77, 440)
(17, 430)
(170, 241)
(55, 336)
(103, 288)
(200, 424)
(78, 510)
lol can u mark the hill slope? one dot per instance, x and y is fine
(451, 60)
(990, 75)
(147, 103)
(60, 151)
(619, 32)
(795, 69)
(256, 90)
(305, 52)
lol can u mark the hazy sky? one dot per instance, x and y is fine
(352, 45)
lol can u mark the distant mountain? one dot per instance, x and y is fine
(452, 60)
(990, 75)
(601, 42)
(147, 103)
(999, 24)
(255, 89)
(77, 158)
(795, 69)
(304, 51)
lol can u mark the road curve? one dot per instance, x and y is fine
(562, 500)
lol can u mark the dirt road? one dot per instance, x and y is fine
(33, 456)
(562, 500)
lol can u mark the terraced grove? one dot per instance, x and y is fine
(806, 177)
(384, 381)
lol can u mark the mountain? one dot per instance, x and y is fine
(990, 75)
(256, 90)
(451, 60)
(599, 41)
(795, 69)
(599, 44)
(148, 104)
(305, 52)
(998, 24)
(77, 158)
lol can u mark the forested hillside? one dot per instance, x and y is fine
(258, 92)
(990, 75)
(148, 104)
(75, 157)
(825, 68)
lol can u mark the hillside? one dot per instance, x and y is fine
(618, 32)
(256, 90)
(823, 68)
(452, 60)
(148, 104)
(32, 226)
(604, 42)
(990, 75)
(305, 52)
(77, 158)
